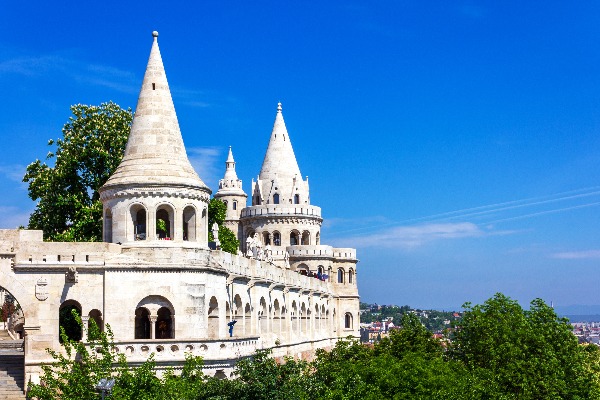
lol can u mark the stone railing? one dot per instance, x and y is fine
(263, 271)
(166, 350)
(280, 209)
(310, 251)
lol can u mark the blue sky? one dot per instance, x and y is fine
(455, 144)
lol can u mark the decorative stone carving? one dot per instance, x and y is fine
(71, 276)
(41, 289)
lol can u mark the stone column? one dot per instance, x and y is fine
(172, 326)
(85, 320)
(153, 319)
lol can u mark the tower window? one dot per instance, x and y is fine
(154, 86)
(235, 205)
(296, 199)
(276, 198)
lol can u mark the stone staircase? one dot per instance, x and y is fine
(12, 361)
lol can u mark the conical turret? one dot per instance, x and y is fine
(155, 198)
(280, 180)
(155, 154)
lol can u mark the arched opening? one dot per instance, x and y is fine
(294, 238)
(234, 205)
(164, 324)
(318, 238)
(226, 204)
(95, 319)
(164, 222)
(263, 315)
(340, 275)
(295, 317)
(139, 220)
(348, 321)
(276, 238)
(350, 276)
(305, 238)
(296, 199)
(317, 318)
(302, 269)
(329, 277)
(303, 319)
(108, 226)
(266, 238)
(11, 314)
(276, 317)
(213, 318)
(276, 198)
(142, 323)
(323, 326)
(247, 318)
(68, 315)
(189, 224)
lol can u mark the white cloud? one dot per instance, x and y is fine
(577, 255)
(416, 235)
(13, 217)
(14, 172)
(94, 74)
(206, 161)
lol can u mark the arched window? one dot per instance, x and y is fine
(164, 222)
(96, 317)
(296, 199)
(68, 321)
(142, 323)
(340, 275)
(164, 329)
(138, 218)
(276, 198)
(266, 238)
(318, 239)
(276, 238)
(213, 318)
(348, 321)
(189, 224)
(306, 238)
(235, 205)
(108, 226)
(257, 201)
(350, 276)
(226, 205)
(320, 269)
(294, 238)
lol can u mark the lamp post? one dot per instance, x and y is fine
(105, 386)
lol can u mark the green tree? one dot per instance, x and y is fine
(68, 204)
(216, 214)
(413, 337)
(522, 354)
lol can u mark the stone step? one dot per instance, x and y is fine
(12, 374)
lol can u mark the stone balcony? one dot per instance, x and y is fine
(282, 210)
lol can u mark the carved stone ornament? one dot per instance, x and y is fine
(41, 289)
(71, 275)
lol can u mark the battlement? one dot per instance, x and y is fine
(281, 210)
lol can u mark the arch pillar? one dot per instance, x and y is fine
(153, 319)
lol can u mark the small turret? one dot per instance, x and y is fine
(231, 193)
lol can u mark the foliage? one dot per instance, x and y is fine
(68, 322)
(9, 307)
(499, 351)
(523, 354)
(412, 338)
(217, 211)
(433, 320)
(92, 146)
(161, 225)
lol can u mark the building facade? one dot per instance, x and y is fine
(155, 279)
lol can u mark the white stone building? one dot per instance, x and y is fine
(165, 292)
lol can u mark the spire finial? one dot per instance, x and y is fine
(279, 107)
(155, 34)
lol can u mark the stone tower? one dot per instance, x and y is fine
(155, 197)
(281, 213)
(231, 193)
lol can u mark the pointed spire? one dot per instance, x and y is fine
(280, 160)
(230, 167)
(155, 153)
(230, 184)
